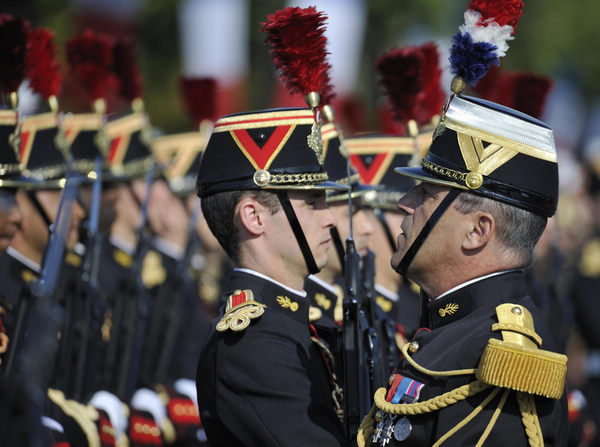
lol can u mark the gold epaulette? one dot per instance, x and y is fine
(516, 362)
(241, 308)
(84, 415)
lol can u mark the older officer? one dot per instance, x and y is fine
(485, 367)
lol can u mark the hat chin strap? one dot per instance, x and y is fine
(412, 251)
(297, 229)
(380, 214)
(339, 246)
(40, 209)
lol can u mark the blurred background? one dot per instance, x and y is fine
(222, 39)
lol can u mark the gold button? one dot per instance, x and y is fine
(474, 180)
(517, 310)
(413, 347)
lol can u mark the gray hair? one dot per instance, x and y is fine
(517, 229)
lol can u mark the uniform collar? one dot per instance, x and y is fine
(483, 293)
(275, 295)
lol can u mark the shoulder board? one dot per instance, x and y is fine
(85, 416)
(314, 313)
(123, 259)
(73, 259)
(153, 272)
(589, 262)
(241, 308)
(516, 362)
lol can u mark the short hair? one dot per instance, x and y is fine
(219, 209)
(517, 229)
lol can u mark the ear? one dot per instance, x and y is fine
(251, 215)
(482, 227)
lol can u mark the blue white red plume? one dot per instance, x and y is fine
(483, 39)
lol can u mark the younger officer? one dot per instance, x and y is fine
(262, 380)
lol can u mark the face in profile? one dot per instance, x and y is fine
(10, 218)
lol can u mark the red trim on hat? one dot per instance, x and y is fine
(261, 157)
(367, 174)
(24, 140)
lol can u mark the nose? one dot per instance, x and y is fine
(78, 213)
(406, 203)
(14, 215)
(364, 223)
(329, 220)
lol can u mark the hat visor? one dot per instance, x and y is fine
(30, 183)
(419, 174)
(357, 190)
(333, 186)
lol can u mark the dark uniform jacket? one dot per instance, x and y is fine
(267, 385)
(460, 326)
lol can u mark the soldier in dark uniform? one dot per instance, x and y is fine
(261, 379)
(376, 155)
(485, 368)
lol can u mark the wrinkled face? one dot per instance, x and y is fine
(315, 218)
(416, 207)
(10, 218)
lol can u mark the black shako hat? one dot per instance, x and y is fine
(375, 156)
(41, 148)
(335, 154)
(9, 155)
(268, 149)
(495, 152)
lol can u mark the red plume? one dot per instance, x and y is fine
(486, 87)
(431, 99)
(529, 93)
(90, 56)
(400, 71)
(126, 69)
(42, 67)
(298, 50)
(200, 97)
(503, 12)
(13, 47)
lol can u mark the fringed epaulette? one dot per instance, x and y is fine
(241, 309)
(516, 362)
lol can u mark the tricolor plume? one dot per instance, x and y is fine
(90, 56)
(297, 38)
(401, 76)
(43, 70)
(200, 98)
(13, 48)
(127, 70)
(483, 39)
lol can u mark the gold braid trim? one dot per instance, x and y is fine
(364, 437)
(453, 372)
(535, 371)
(433, 404)
(467, 419)
(494, 418)
(530, 420)
(517, 328)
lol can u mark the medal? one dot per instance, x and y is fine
(402, 429)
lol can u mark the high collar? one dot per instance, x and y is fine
(273, 294)
(486, 293)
